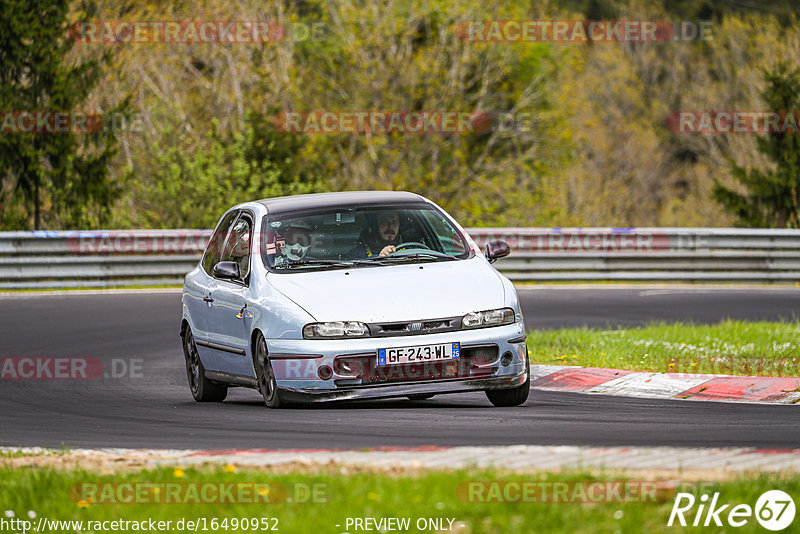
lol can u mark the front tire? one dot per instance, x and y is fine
(203, 389)
(514, 396)
(267, 384)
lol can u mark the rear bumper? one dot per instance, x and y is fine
(387, 391)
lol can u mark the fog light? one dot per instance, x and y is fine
(506, 359)
(325, 372)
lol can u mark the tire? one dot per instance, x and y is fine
(421, 396)
(511, 397)
(267, 384)
(203, 389)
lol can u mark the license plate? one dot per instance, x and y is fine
(420, 353)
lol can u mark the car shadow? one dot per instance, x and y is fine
(377, 404)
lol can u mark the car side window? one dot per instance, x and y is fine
(237, 246)
(213, 251)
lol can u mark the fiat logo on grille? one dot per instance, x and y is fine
(416, 327)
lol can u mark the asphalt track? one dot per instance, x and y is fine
(155, 410)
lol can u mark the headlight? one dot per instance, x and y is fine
(335, 329)
(488, 318)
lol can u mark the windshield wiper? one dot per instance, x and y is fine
(400, 258)
(369, 262)
(309, 262)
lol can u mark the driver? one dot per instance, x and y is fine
(380, 238)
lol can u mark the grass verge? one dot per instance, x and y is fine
(321, 502)
(729, 348)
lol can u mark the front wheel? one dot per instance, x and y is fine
(511, 397)
(203, 389)
(267, 384)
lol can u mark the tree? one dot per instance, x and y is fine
(56, 179)
(190, 186)
(772, 199)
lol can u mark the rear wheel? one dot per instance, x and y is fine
(514, 396)
(203, 389)
(267, 384)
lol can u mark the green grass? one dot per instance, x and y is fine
(18, 454)
(439, 494)
(11, 452)
(732, 347)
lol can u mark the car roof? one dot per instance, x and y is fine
(331, 200)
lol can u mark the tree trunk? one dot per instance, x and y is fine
(37, 222)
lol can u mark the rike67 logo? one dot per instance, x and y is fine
(774, 510)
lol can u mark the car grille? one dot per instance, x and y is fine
(363, 369)
(412, 328)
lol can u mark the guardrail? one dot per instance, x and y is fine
(161, 257)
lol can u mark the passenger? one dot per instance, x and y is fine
(293, 242)
(380, 238)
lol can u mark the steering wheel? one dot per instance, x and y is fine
(411, 244)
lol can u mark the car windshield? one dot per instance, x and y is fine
(360, 237)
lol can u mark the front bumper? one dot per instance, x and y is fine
(387, 391)
(498, 362)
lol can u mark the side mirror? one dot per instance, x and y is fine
(496, 250)
(227, 270)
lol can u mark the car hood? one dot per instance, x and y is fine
(394, 293)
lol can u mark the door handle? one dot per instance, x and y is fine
(208, 299)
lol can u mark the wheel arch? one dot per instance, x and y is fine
(253, 337)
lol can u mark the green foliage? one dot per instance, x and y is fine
(578, 134)
(685, 9)
(409, 57)
(321, 498)
(773, 196)
(191, 188)
(49, 179)
(742, 348)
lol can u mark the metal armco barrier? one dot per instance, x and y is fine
(162, 257)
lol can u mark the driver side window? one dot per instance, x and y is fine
(214, 248)
(237, 247)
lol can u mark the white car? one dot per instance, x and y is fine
(353, 295)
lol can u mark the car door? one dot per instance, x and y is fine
(197, 289)
(229, 318)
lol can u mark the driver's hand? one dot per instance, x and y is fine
(388, 249)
